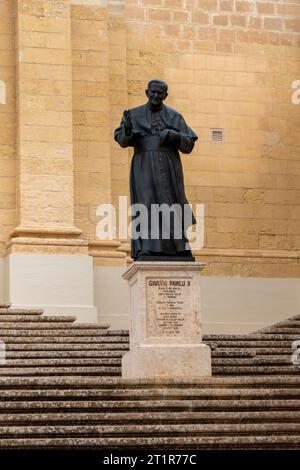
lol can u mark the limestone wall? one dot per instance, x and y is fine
(7, 123)
(231, 64)
(70, 67)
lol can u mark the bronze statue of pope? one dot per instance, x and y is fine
(158, 133)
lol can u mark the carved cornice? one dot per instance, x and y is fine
(49, 232)
(235, 253)
(105, 249)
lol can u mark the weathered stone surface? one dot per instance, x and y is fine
(66, 392)
(149, 429)
(157, 404)
(167, 361)
(165, 335)
(44, 325)
(40, 348)
(48, 370)
(175, 417)
(35, 318)
(33, 355)
(264, 382)
(5, 310)
(93, 331)
(54, 362)
(146, 393)
(70, 339)
(137, 442)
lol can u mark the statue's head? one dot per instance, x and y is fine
(156, 92)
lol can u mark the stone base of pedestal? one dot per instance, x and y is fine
(184, 361)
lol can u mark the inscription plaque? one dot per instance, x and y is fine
(169, 307)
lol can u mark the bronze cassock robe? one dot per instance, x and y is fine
(156, 175)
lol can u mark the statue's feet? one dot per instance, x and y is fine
(158, 256)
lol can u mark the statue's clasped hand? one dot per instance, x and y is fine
(173, 137)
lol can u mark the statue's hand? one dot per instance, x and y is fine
(127, 122)
(174, 137)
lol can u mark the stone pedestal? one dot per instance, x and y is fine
(165, 330)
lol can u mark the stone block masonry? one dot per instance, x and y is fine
(231, 65)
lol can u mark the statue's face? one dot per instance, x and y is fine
(156, 94)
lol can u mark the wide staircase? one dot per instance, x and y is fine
(61, 387)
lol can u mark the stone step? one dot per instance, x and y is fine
(284, 324)
(105, 337)
(263, 382)
(256, 360)
(294, 320)
(273, 351)
(121, 332)
(109, 342)
(21, 311)
(269, 363)
(90, 353)
(177, 417)
(4, 305)
(229, 442)
(253, 352)
(287, 323)
(148, 393)
(234, 404)
(250, 344)
(79, 360)
(23, 371)
(253, 337)
(53, 332)
(284, 331)
(38, 328)
(233, 352)
(255, 370)
(38, 354)
(56, 362)
(62, 354)
(37, 348)
(20, 319)
(138, 430)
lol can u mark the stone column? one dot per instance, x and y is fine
(48, 263)
(44, 106)
(165, 331)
